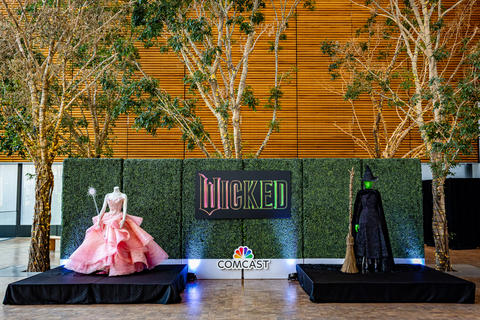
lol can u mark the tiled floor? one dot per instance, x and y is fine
(236, 299)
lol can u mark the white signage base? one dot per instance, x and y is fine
(168, 261)
(173, 261)
(322, 261)
(409, 261)
(208, 269)
(277, 269)
(340, 261)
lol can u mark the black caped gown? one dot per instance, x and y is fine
(372, 240)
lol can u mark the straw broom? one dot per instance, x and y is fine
(350, 265)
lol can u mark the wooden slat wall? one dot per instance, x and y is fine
(309, 109)
(318, 108)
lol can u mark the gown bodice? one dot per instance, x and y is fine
(115, 205)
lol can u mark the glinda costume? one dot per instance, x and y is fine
(116, 245)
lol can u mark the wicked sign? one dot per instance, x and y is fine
(242, 194)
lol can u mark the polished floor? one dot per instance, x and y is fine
(236, 299)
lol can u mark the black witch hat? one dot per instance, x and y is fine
(368, 175)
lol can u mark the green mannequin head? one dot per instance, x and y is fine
(368, 178)
(368, 184)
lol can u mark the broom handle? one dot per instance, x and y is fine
(352, 173)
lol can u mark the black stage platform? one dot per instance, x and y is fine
(410, 283)
(162, 284)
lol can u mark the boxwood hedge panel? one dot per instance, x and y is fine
(163, 193)
(154, 193)
(400, 185)
(277, 238)
(78, 208)
(205, 238)
(325, 205)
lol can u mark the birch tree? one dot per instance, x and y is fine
(41, 81)
(441, 44)
(214, 40)
(87, 132)
(373, 64)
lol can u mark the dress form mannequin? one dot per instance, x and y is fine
(112, 196)
(116, 244)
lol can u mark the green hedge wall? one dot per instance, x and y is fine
(78, 208)
(163, 193)
(400, 184)
(325, 205)
(277, 238)
(154, 190)
(207, 239)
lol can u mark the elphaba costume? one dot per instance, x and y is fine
(372, 243)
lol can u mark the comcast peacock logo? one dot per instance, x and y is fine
(243, 259)
(243, 253)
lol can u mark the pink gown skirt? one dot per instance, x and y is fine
(114, 250)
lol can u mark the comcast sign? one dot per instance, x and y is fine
(243, 259)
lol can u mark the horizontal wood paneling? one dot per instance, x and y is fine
(309, 108)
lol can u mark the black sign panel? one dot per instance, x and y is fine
(242, 194)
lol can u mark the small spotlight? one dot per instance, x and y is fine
(193, 264)
(293, 276)
(191, 277)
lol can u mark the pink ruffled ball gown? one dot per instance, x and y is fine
(114, 250)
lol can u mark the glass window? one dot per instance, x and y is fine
(57, 195)
(8, 194)
(28, 194)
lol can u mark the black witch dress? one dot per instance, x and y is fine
(372, 240)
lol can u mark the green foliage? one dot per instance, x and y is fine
(450, 103)
(247, 5)
(191, 81)
(310, 4)
(277, 238)
(438, 25)
(10, 141)
(207, 239)
(162, 191)
(89, 103)
(11, 95)
(358, 86)
(273, 101)
(400, 185)
(441, 53)
(275, 125)
(154, 193)
(156, 108)
(281, 37)
(248, 98)
(190, 29)
(457, 129)
(329, 47)
(153, 18)
(78, 208)
(325, 205)
(153, 15)
(369, 72)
